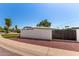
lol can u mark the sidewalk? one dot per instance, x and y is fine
(26, 49)
(5, 52)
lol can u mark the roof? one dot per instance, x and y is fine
(25, 28)
(75, 27)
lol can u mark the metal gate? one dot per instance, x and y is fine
(66, 34)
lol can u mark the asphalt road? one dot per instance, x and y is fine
(4, 52)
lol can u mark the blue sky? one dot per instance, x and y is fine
(29, 14)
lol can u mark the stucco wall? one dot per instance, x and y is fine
(77, 35)
(37, 33)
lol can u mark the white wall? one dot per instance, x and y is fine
(37, 33)
(77, 35)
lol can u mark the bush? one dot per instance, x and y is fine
(10, 35)
(18, 31)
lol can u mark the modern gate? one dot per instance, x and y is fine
(67, 34)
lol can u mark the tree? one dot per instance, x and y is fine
(8, 24)
(44, 23)
(16, 27)
(1, 29)
(18, 30)
(11, 29)
(5, 29)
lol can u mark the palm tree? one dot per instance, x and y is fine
(8, 24)
(16, 27)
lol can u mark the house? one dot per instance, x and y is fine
(75, 28)
(47, 33)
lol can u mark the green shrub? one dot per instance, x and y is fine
(18, 31)
(10, 35)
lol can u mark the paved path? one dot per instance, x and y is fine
(60, 44)
(26, 49)
(34, 50)
(4, 52)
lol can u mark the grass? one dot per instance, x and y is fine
(10, 35)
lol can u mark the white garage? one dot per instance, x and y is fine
(37, 33)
